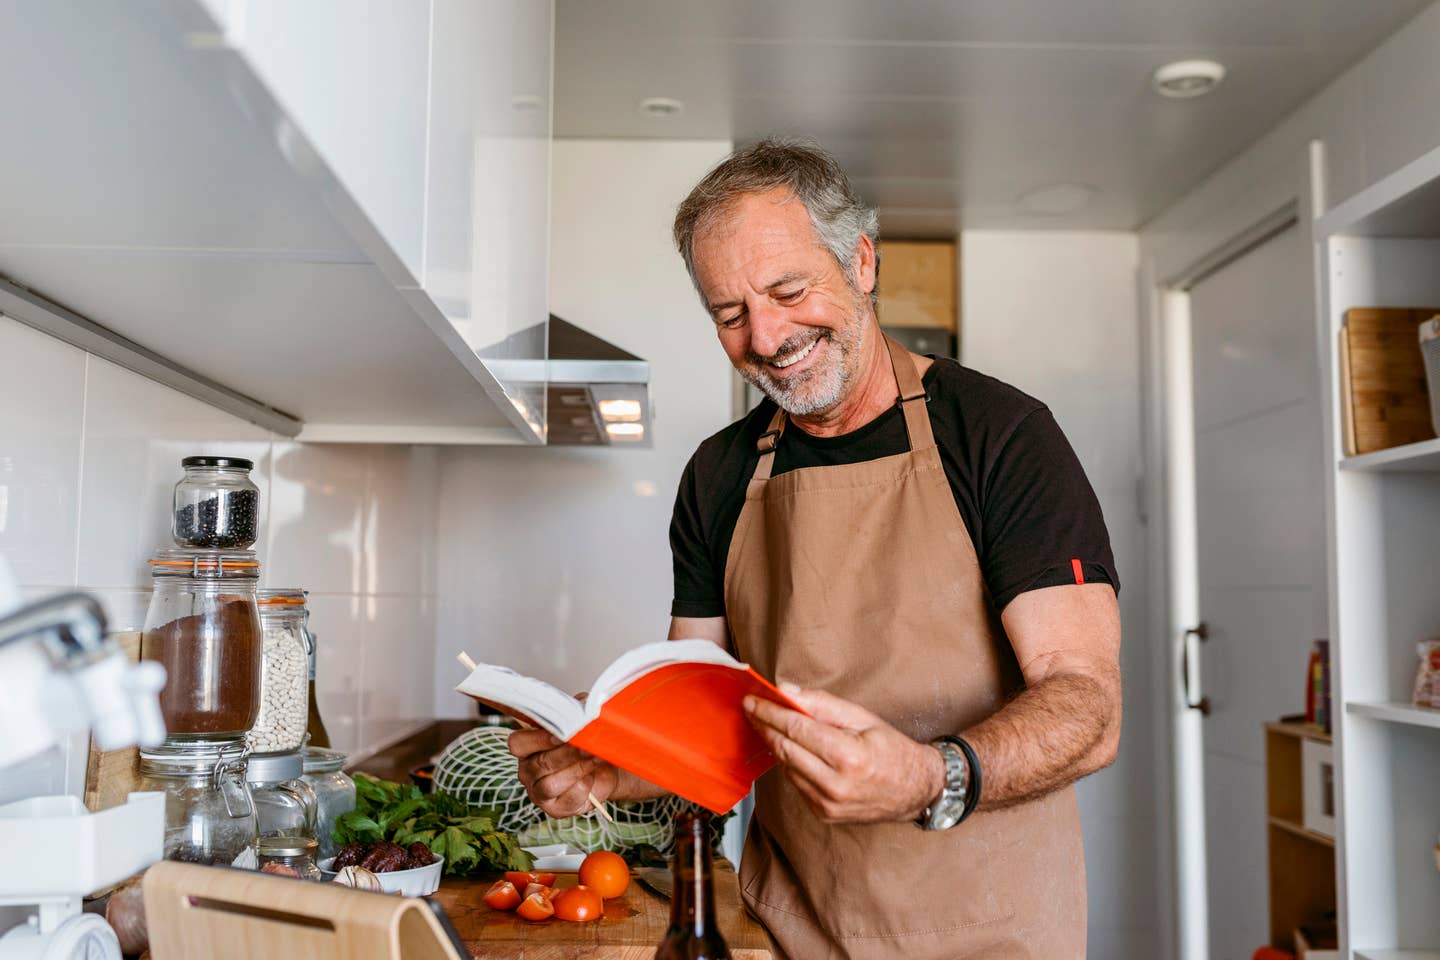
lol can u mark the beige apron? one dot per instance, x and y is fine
(861, 579)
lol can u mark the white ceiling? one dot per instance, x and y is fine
(946, 111)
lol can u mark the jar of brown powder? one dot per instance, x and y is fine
(203, 626)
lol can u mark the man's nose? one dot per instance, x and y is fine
(768, 328)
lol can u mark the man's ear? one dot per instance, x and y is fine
(865, 265)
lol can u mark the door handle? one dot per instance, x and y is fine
(1190, 651)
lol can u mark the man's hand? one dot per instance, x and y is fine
(851, 766)
(558, 777)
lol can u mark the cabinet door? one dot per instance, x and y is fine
(487, 215)
(353, 75)
(917, 284)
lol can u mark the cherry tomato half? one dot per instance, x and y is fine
(579, 905)
(547, 892)
(523, 878)
(535, 908)
(502, 895)
(606, 873)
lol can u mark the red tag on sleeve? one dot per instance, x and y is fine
(1079, 570)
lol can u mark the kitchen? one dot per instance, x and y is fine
(225, 231)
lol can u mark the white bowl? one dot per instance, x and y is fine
(416, 882)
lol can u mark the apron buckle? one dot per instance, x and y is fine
(767, 441)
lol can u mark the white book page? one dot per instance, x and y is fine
(546, 704)
(642, 660)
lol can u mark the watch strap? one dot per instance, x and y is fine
(972, 787)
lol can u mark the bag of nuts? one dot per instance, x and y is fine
(1427, 676)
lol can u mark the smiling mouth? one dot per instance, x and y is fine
(795, 358)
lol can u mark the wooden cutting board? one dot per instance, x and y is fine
(630, 929)
(1389, 401)
(111, 775)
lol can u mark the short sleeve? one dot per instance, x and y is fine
(1041, 521)
(695, 577)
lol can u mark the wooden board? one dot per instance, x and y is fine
(630, 930)
(111, 775)
(917, 284)
(223, 914)
(1389, 399)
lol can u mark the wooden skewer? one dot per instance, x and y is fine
(600, 810)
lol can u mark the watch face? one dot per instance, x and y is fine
(946, 813)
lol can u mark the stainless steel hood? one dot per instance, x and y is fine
(596, 394)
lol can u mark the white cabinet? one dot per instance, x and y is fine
(1381, 248)
(353, 75)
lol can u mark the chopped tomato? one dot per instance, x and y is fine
(579, 904)
(535, 907)
(502, 895)
(523, 878)
(547, 892)
(606, 873)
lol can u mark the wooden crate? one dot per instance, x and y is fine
(1385, 401)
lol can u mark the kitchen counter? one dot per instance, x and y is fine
(630, 929)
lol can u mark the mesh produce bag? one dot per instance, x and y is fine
(478, 768)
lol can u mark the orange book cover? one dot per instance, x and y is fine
(668, 712)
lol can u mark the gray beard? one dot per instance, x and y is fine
(818, 390)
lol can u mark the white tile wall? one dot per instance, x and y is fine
(89, 453)
(1072, 340)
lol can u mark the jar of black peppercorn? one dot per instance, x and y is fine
(217, 506)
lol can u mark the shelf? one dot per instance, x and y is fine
(1404, 204)
(1412, 457)
(1397, 955)
(1396, 713)
(1306, 731)
(1299, 831)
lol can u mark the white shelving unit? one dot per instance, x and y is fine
(1381, 248)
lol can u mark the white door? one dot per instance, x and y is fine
(1260, 544)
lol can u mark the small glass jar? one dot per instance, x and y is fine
(283, 855)
(209, 814)
(217, 506)
(334, 794)
(284, 673)
(284, 804)
(203, 626)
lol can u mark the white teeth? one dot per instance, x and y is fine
(796, 358)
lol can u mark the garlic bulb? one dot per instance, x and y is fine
(358, 878)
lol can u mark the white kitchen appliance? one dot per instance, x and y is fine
(59, 675)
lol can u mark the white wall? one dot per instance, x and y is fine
(1055, 315)
(555, 560)
(89, 453)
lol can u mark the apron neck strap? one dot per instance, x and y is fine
(912, 400)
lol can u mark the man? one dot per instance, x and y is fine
(914, 551)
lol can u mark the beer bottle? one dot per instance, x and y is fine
(693, 934)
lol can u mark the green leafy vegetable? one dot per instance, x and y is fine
(465, 836)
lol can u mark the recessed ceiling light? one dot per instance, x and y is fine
(661, 107)
(1057, 198)
(1187, 78)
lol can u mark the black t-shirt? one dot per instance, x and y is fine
(1025, 499)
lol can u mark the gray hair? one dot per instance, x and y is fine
(810, 174)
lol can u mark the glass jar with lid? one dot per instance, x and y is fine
(203, 626)
(284, 804)
(209, 815)
(284, 673)
(289, 856)
(334, 793)
(217, 505)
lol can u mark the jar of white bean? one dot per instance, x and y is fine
(284, 673)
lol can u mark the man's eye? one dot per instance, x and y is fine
(733, 321)
(790, 296)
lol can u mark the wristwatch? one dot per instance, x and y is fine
(962, 786)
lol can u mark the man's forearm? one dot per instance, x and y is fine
(1055, 732)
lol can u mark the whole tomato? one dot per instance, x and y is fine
(606, 873)
(579, 905)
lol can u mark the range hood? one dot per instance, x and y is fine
(596, 394)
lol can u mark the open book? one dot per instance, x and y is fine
(669, 712)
